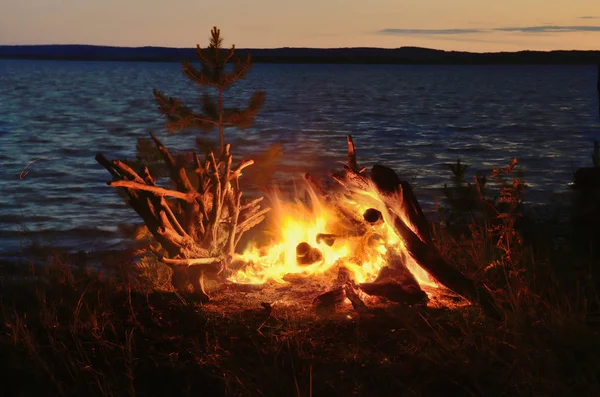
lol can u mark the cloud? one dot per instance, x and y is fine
(550, 29)
(523, 29)
(430, 31)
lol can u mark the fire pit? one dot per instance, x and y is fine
(364, 237)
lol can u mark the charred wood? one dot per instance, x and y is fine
(307, 255)
(328, 301)
(373, 216)
(401, 204)
(395, 292)
(354, 298)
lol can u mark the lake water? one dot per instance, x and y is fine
(412, 118)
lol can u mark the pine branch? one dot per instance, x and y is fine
(215, 38)
(230, 54)
(240, 70)
(203, 77)
(204, 61)
(180, 116)
(245, 118)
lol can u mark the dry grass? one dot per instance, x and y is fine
(78, 332)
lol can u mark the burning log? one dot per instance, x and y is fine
(395, 292)
(430, 260)
(373, 216)
(307, 255)
(396, 271)
(412, 227)
(399, 193)
(198, 225)
(353, 297)
(345, 276)
(329, 300)
(327, 238)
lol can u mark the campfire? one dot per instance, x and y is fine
(360, 233)
(310, 237)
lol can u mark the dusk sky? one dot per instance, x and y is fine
(473, 25)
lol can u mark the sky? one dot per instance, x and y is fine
(464, 25)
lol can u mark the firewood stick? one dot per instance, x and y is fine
(201, 226)
(207, 163)
(177, 172)
(253, 217)
(354, 298)
(206, 186)
(126, 170)
(213, 162)
(172, 218)
(251, 204)
(185, 181)
(429, 259)
(237, 172)
(166, 222)
(226, 185)
(170, 235)
(172, 248)
(165, 152)
(248, 212)
(192, 262)
(243, 164)
(106, 163)
(149, 202)
(398, 193)
(251, 207)
(134, 200)
(199, 169)
(147, 177)
(159, 191)
(232, 234)
(225, 154)
(214, 222)
(352, 163)
(203, 211)
(208, 264)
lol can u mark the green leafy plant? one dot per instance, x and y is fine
(505, 213)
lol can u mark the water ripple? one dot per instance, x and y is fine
(413, 118)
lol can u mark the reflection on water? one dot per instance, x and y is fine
(413, 118)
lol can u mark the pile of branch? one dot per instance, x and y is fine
(199, 223)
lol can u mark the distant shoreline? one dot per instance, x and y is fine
(403, 55)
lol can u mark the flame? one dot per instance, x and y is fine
(296, 221)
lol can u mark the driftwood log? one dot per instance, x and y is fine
(412, 227)
(199, 223)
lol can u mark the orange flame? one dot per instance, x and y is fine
(293, 222)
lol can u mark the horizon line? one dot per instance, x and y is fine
(300, 48)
